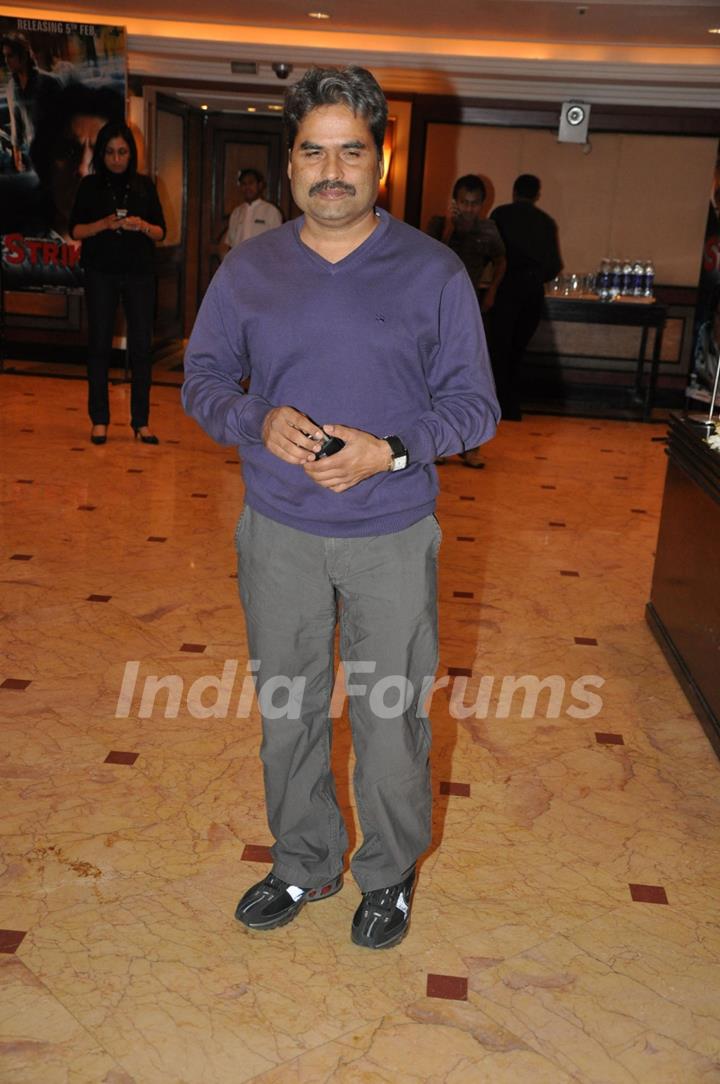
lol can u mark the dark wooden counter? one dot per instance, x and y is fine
(684, 607)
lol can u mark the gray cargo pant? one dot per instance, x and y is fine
(294, 586)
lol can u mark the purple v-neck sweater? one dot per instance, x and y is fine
(388, 340)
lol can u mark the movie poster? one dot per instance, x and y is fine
(60, 82)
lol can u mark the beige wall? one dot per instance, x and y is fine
(640, 196)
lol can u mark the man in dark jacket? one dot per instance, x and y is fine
(532, 252)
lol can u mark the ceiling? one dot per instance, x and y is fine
(642, 22)
(640, 52)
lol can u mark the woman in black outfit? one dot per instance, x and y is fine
(118, 217)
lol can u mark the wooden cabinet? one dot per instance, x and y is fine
(684, 607)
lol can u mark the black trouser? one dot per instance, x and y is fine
(510, 325)
(102, 293)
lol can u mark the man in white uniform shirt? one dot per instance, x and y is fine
(255, 215)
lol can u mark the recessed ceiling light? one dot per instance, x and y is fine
(714, 30)
(251, 109)
(318, 15)
(275, 108)
(203, 107)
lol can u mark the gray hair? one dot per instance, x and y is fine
(353, 87)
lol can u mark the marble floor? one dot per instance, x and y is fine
(565, 924)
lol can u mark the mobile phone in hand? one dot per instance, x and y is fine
(329, 446)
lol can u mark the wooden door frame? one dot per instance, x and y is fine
(215, 126)
(172, 256)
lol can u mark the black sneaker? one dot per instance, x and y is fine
(383, 917)
(273, 902)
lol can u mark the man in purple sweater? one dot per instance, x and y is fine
(352, 325)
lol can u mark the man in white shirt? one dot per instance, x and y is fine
(255, 215)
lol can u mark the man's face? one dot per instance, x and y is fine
(333, 169)
(12, 59)
(250, 188)
(469, 202)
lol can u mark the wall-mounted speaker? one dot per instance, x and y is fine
(574, 121)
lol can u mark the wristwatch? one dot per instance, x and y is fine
(399, 453)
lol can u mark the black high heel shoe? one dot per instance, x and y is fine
(98, 438)
(148, 438)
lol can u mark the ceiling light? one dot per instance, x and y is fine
(251, 109)
(275, 108)
(203, 107)
(318, 15)
(714, 30)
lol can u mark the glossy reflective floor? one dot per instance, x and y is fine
(565, 923)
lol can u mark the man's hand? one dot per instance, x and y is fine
(362, 456)
(290, 435)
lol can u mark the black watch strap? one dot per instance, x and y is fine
(399, 453)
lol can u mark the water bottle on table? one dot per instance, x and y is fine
(649, 279)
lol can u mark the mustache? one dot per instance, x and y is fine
(332, 186)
